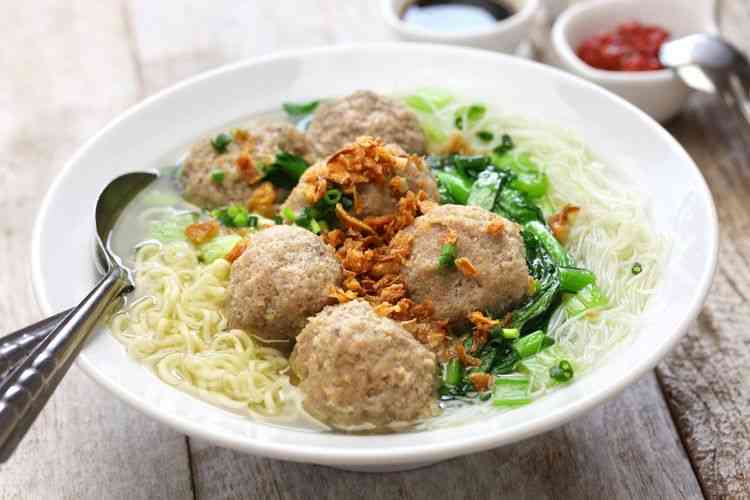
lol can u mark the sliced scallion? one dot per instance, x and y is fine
(221, 142)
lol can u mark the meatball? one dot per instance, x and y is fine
(360, 370)
(493, 277)
(375, 199)
(283, 277)
(339, 122)
(260, 141)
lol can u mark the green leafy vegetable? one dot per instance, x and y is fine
(286, 170)
(172, 228)
(453, 187)
(516, 206)
(217, 248)
(221, 142)
(573, 279)
(486, 188)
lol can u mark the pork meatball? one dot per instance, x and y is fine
(258, 143)
(283, 277)
(375, 199)
(490, 272)
(359, 370)
(339, 122)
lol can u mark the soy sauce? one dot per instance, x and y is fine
(455, 15)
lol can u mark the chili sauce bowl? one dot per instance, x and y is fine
(659, 93)
(505, 35)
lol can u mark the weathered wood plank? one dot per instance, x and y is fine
(627, 448)
(66, 71)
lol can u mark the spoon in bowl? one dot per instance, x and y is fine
(710, 64)
(28, 386)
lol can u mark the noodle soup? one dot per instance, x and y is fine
(439, 261)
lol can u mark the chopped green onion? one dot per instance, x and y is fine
(512, 391)
(217, 176)
(314, 226)
(234, 210)
(636, 269)
(485, 136)
(573, 279)
(530, 344)
(299, 109)
(252, 221)
(277, 219)
(453, 372)
(473, 113)
(428, 100)
(288, 214)
(505, 146)
(510, 333)
(588, 297)
(332, 197)
(242, 219)
(563, 372)
(220, 142)
(447, 257)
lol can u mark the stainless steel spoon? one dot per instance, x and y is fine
(710, 64)
(26, 389)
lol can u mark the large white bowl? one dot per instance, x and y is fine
(145, 136)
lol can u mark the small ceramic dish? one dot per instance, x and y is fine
(659, 93)
(505, 36)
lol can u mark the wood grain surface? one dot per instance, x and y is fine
(69, 67)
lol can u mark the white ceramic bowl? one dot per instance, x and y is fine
(150, 134)
(505, 36)
(659, 93)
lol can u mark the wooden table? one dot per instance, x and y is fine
(67, 68)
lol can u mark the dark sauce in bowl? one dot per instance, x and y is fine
(455, 16)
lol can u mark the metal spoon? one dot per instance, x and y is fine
(24, 392)
(710, 64)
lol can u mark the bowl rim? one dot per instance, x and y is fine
(416, 454)
(560, 41)
(393, 20)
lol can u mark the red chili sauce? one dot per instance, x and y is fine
(632, 46)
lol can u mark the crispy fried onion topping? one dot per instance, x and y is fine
(201, 232)
(371, 252)
(262, 200)
(366, 161)
(561, 221)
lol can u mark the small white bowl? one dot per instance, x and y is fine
(504, 36)
(659, 93)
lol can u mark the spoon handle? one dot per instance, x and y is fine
(27, 388)
(17, 345)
